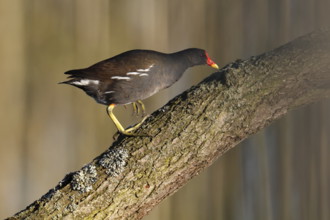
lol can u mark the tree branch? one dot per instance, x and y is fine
(190, 132)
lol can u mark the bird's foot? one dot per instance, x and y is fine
(131, 131)
(128, 131)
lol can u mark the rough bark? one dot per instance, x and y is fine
(190, 132)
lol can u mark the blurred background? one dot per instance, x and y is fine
(48, 130)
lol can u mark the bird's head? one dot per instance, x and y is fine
(199, 57)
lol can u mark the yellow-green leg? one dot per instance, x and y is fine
(120, 128)
(138, 107)
(135, 108)
(143, 109)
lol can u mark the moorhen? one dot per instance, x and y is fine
(133, 76)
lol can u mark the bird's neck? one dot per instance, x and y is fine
(182, 58)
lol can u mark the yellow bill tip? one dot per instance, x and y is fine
(214, 65)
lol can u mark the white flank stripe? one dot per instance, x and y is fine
(107, 92)
(85, 82)
(144, 74)
(132, 73)
(145, 70)
(121, 77)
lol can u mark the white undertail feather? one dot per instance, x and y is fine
(85, 82)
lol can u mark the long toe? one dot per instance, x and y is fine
(135, 109)
(142, 107)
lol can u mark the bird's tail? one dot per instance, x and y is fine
(74, 73)
(73, 76)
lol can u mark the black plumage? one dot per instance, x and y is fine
(134, 75)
